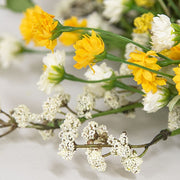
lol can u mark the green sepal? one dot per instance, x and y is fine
(19, 5)
(57, 31)
(57, 74)
(100, 57)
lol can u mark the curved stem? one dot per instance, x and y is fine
(115, 58)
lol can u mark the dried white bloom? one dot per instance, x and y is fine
(96, 160)
(10, 47)
(132, 163)
(89, 132)
(46, 134)
(21, 114)
(51, 77)
(174, 118)
(96, 21)
(52, 106)
(101, 72)
(67, 135)
(85, 104)
(113, 9)
(114, 100)
(162, 31)
(154, 102)
(120, 146)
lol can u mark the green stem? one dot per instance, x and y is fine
(115, 58)
(27, 50)
(175, 132)
(115, 111)
(163, 5)
(110, 34)
(175, 8)
(167, 63)
(74, 78)
(92, 145)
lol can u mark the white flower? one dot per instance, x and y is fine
(52, 106)
(96, 21)
(162, 31)
(46, 134)
(120, 146)
(114, 100)
(22, 115)
(51, 77)
(9, 49)
(154, 102)
(85, 104)
(113, 9)
(67, 135)
(124, 70)
(96, 160)
(101, 72)
(132, 163)
(141, 38)
(174, 118)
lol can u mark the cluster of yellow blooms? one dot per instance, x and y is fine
(145, 3)
(38, 26)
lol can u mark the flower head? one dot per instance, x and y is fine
(147, 79)
(162, 31)
(176, 78)
(143, 23)
(145, 3)
(87, 49)
(53, 71)
(37, 26)
(69, 38)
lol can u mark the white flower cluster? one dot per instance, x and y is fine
(9, 49)
(52, 59)
(113, 9)
(102, 71)
(129, 159)
(85, 104)
(162, 31)
(52, 106)
(154, 101)
(21, 114)
(67, 135)
(114, 100)
(46, 134)
(93, 134)
(132, 163)
(174, 118)
(95, 159)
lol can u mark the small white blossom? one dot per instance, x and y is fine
(67, 135)
(96, 160)
(132, 163)
(102, 71)
(9, 49)
(46, 134)
(162, 31)
(21, 114)
(52, 106)
(52, 59)
(85, 105)
(120, 146)
(154, 102)
(174, 118)
(113, 9)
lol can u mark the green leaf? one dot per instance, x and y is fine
(19, 5)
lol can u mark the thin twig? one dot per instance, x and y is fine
(70, 110)
(9, 131)
(106, 155)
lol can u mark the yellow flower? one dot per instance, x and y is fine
(37, 26)
(145, 3)
(87, 49)
(147, 79)
(176, 78)
(69, 38)
(143, 23)
(174, 52)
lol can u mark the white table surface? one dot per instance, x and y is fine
(25, 156)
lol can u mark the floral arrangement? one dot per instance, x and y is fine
(142, 36)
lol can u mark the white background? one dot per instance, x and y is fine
(25, 156)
